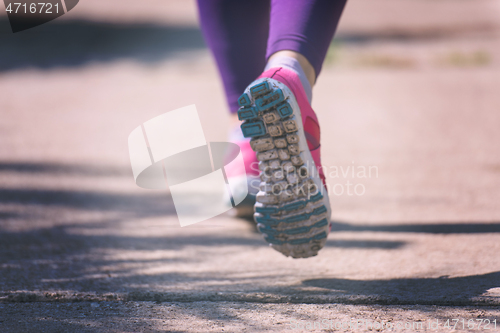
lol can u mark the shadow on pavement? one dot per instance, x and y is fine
(118, 317)
(84, 258)
(365, 244)
(442, 290)
(431, 228)
(73, 43)
(129, 205)
(64, 169)
(430, 33)
(86, 317)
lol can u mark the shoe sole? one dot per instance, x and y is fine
(292, 209)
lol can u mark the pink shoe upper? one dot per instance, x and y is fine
(249, 156)
(309, 118)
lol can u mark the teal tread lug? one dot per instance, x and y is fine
(305, 216)
(259, 89)
(294, 205)
(266, 220)
(307, 240)
(285, 110)
(270, 100)
(294, 231)
(253, 129)
(316, 197)
(270, 221)
(289, 207)
(299, 241)
(247, 113)
(267, 210)
(244, 100)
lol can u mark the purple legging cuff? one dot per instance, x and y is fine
(298, 44)
(242, 34)
(304, 26)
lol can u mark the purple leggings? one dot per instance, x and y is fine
(243, 34)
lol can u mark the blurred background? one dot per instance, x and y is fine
(409, 86)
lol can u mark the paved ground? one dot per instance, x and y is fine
(409, 92)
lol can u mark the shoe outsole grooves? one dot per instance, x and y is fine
(292, 209)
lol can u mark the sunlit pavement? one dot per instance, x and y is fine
(409, 105)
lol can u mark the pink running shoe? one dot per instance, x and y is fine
(292, 209)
